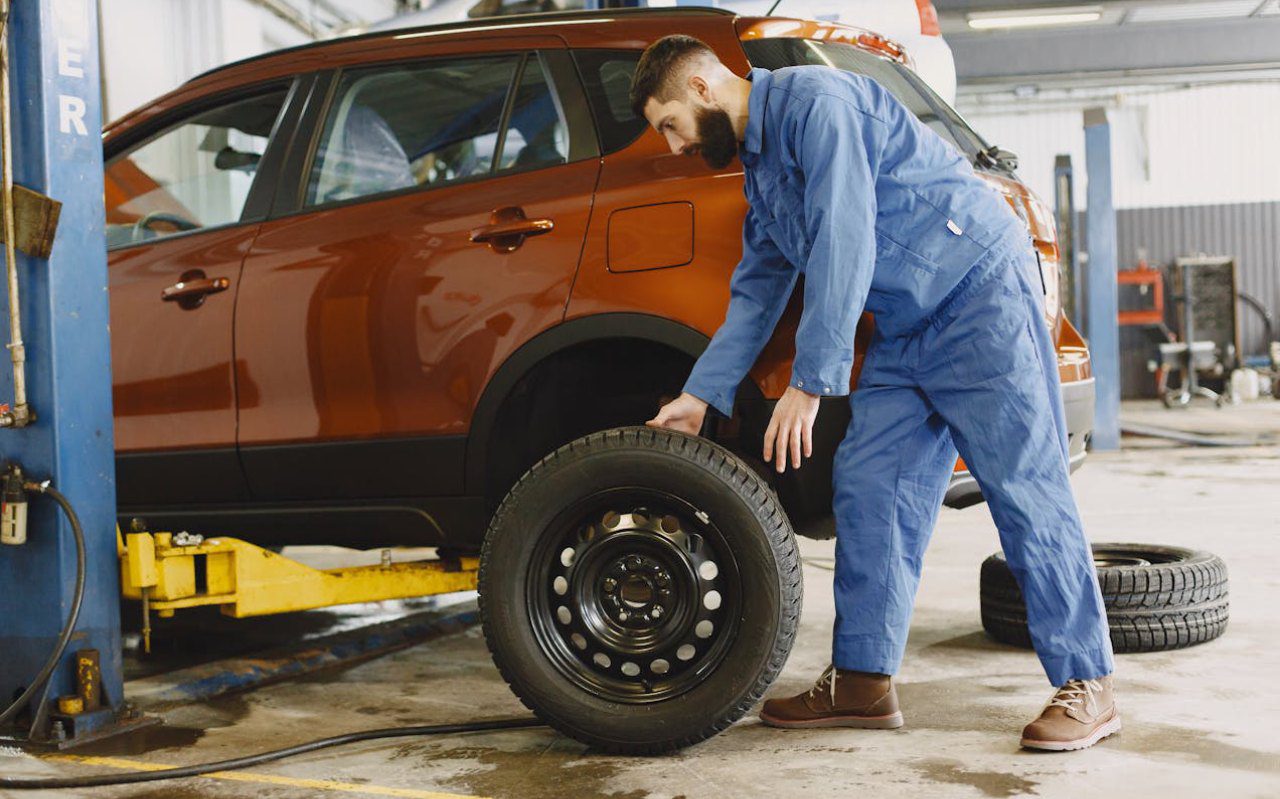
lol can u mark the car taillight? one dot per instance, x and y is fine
(1049, 270)
(928, 18)
(1040, 228)
(879, 44)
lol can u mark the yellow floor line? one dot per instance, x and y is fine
(272, 779)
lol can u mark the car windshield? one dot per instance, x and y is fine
(913, 92)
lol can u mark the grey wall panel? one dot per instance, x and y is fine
(1249, 232)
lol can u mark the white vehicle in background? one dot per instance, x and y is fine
(911, 23)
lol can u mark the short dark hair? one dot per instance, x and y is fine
(661, 66)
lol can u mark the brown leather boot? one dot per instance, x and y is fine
(1080, 714)
(839, 699)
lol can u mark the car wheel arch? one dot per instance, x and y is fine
(656, 333)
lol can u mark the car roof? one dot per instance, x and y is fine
(513, 21)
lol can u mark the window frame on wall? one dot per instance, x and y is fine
(266, 176)
(561, 83)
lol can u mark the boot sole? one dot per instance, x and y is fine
(1108, 728)
(889, 722)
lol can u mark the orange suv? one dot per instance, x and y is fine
(359, 287)
(421, 286)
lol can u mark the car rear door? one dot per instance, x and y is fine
(185, 196)
(435, 226)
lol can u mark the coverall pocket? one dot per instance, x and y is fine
(892, 253)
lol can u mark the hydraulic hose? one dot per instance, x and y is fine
(133, 777)
(77, 599)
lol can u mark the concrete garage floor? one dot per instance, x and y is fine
(1205, 720)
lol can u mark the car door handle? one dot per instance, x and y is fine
(508, 228)
(190, 290)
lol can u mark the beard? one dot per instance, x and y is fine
(716, 141)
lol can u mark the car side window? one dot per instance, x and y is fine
(196, 174)
(411, 125)
(606, 75)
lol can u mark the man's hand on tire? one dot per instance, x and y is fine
(791, 428)
(684, 413)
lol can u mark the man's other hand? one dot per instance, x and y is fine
(684, 413)
(791, 428)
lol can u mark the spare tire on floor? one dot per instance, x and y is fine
(640, 589)
(1157, 597)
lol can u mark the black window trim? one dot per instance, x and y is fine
(504, 118)
(265, 179)
(291, 200)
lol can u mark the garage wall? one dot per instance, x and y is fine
(1195, 170)
(1204, 145)
(152, 46)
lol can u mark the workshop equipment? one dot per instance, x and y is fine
(168, 572)
(59, 422)
(1210, 336)
(1141, 295)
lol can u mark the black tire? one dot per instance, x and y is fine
(650, 508)
(1157, 598)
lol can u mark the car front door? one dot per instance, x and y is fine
(180, 211)
(437, 225)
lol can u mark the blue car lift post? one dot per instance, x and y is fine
(63, 432)
(1101, 288)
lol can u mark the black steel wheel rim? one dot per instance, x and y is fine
(633, 594)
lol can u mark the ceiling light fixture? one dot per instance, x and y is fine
(1034, 18)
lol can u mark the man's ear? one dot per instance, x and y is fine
(700, 88)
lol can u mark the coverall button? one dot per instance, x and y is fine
(826, 390)
(799, 384)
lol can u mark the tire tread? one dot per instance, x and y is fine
(747, 484)
(1149, 608)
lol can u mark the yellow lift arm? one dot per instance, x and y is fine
(168, 572)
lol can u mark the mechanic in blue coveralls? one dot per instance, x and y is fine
(848, 188)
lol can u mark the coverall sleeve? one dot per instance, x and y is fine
(838, 149)
(758, 293)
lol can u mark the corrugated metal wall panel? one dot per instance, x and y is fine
(1248, 232)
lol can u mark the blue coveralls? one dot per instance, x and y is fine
(847, 187)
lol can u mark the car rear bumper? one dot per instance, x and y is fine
(1077, 402)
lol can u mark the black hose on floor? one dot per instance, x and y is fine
(76, 600)
(132, 777)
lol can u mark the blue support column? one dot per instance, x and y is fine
(57, 150)
(1103, 328)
